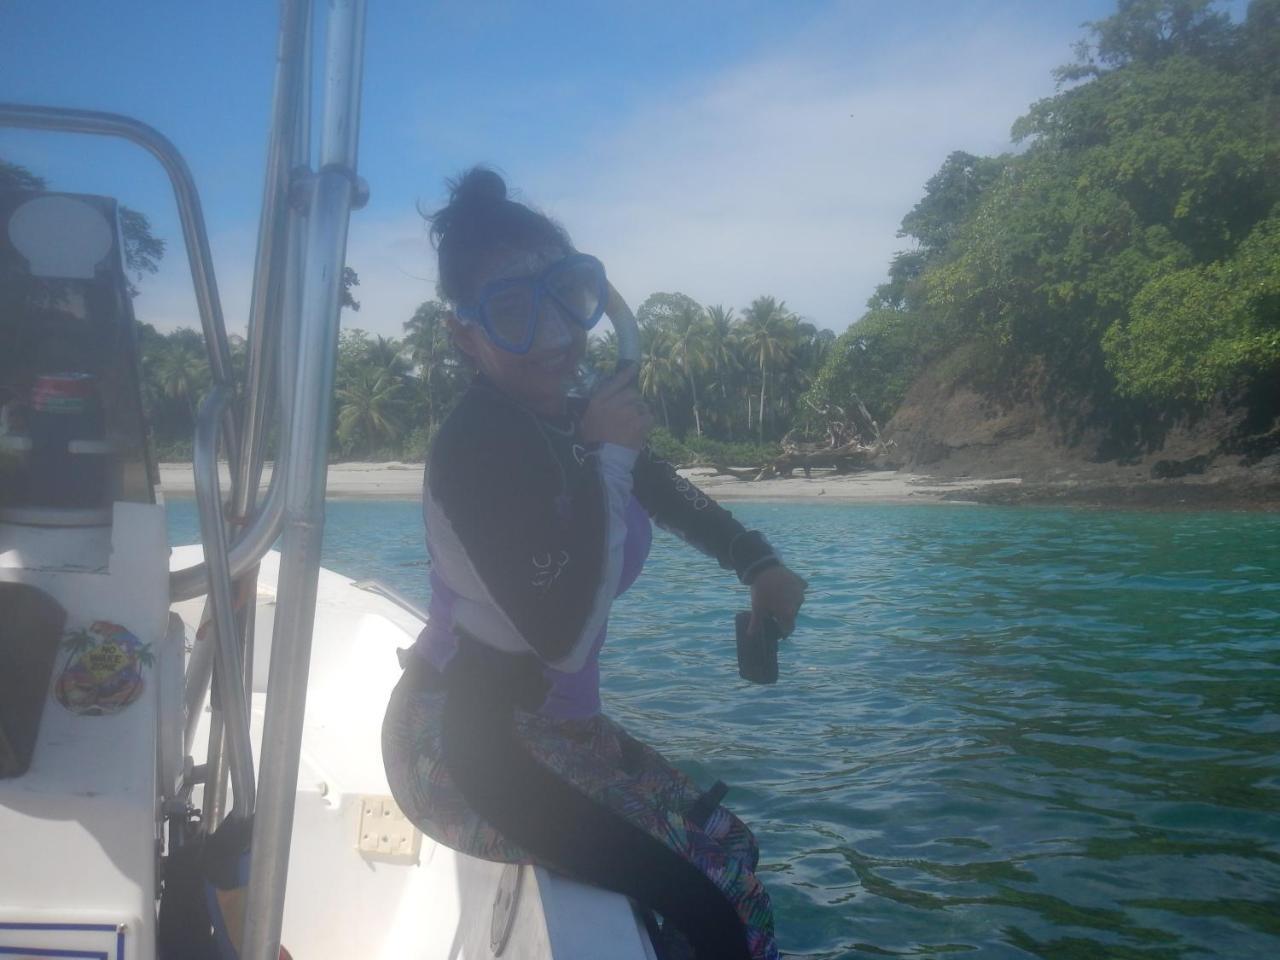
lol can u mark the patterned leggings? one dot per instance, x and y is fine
(601, 761)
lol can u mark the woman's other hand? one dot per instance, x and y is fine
(617, 413)
(776, 592)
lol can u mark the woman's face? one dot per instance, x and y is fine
(539, 378)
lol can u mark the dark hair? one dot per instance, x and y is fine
(479, 221)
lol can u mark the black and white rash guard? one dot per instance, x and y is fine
(532, 534)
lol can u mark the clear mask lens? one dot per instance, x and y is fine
(510, 313)
(554, 327)
(571, 292)
(578, 290)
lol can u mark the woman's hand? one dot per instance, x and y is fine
(776, 592)
(617, 413)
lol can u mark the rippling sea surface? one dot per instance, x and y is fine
(998, 732)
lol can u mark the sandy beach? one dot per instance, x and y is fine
(403, 481)
(1229, 490)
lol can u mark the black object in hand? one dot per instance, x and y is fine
(758, 654)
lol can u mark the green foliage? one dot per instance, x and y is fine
(1126, 252)
(666, 446)
(13, 176)
(370, 409)
(740, 454)
(1112, 252)
(350, 280)
(712, 373)
(1148, 31)
(950, 196)
(705, 450)
(877, 359)
(1204, 330)
(143, 251)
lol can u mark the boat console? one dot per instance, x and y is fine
(90, 660)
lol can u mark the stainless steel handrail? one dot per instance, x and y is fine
(254, 541)
(332, 194)
(199, 671)
(287, 151)
(228, 667)
(272, 253)
(263, 334)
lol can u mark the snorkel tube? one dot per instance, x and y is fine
(625, 329)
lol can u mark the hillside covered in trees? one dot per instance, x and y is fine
(1109, 293)
(1113, 288)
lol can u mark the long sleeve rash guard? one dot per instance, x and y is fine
(532, 534)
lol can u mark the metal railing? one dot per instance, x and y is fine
(228, 662)
(292, 339)
(333, 193)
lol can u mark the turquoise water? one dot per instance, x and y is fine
(999, 732)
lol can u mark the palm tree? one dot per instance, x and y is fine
(767, 334)
(387, 354)
(721, 353)
(687, 339)
(369, 407)
(810, 349)
(602, 352)
(75, 643)
(181, 374)
(657, 370)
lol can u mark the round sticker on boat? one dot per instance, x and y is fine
(103, 670)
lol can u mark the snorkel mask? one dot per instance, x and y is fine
(574, 287)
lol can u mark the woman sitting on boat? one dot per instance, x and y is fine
(538, 514)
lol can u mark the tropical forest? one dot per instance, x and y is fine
(1109, 284)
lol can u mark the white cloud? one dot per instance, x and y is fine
(789, 176)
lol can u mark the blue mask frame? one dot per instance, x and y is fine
(540, 287)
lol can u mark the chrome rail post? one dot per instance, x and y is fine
(263, 331)
(213, 799)
(272, 305)
(227, 662)
(254, 541)
(264, 526)
(336, 191)
(268, 280)
(199, 670)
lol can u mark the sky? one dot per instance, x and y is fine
(725, 150)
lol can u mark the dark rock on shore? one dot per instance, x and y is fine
(1067, 452)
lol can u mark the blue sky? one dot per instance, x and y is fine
(722, 149)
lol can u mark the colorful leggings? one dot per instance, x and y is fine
(582, 797)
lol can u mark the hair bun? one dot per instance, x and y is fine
(477, 185)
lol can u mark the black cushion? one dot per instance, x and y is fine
(31, 624)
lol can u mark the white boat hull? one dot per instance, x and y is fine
(412, 897)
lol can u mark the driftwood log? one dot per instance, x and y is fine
(845, 459)
(844, 449)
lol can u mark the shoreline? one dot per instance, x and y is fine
(403, 481)
(357, 480)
